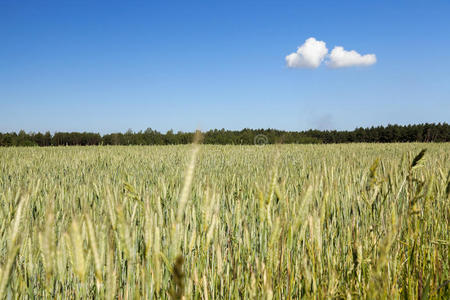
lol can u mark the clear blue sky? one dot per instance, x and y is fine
(107, 66)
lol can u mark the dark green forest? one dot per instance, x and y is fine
(382, 134)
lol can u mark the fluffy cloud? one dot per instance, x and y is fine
(313, 52)
(309, 55)
(341, 58)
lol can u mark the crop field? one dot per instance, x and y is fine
(225, 222)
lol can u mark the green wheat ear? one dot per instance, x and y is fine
(373, 168)
(417, 159)
(13, 249)
(447, 190)
(373, 173)
(177, 289)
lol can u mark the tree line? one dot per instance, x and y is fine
(382, 134)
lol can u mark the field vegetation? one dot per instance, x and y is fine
(211, 222)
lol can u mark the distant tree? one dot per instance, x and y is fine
(392, 133)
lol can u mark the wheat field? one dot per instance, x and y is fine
(225, 222)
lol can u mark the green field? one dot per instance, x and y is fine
(211, 222)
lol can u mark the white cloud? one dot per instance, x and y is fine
(341, 58)
(309, 55)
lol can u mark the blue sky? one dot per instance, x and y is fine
(107, 66)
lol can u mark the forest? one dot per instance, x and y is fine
(427, 132)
